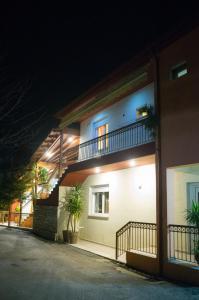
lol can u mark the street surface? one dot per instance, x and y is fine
(34, 269)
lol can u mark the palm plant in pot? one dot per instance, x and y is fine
(192, 217)
(73, 204)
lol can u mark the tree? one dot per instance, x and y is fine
(13, 185)
(19, 122)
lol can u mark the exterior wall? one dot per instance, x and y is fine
(14, 205)
(45, 221)
(179, 112)
(132, 197)
(62, 215)
(119, 114)
(179, 103)
(27, 207)
(177, 195)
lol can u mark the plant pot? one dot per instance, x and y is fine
(74, 236)
(66, 236)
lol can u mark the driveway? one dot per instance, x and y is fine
(31, 268)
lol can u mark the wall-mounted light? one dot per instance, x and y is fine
(70, 139)
(49, 154)
(97, 170)
(132, 162)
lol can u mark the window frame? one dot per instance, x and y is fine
(175, 70)
(98, 189)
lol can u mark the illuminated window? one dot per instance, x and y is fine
(179, 70)
(99, 202)
(103, 141)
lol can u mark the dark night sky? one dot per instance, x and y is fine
(66, 50)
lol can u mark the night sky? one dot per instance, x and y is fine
(64, 51)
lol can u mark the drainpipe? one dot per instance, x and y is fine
(159, 205)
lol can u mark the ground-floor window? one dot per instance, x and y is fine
(99, 201)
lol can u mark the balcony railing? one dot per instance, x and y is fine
(182, 240)
(137, 237)
(123, 138)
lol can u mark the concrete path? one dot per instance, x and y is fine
(31, 268)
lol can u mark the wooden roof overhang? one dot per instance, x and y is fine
(48, 153)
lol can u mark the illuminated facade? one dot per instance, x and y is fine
(131, 141)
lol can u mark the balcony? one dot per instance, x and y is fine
(127, 137)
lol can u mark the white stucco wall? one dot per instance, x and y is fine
(62, 215)
(27, 207)
(119, 114)
(132, 197)
(177, 195)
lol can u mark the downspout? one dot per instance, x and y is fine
(159, 205)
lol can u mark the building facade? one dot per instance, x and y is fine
(131, 141)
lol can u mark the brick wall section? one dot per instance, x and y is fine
(45, 221)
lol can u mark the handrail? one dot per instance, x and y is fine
(183, 226)
(136, 236)
(182, 240)
(125, 137)
(26, 203)
(114, 132)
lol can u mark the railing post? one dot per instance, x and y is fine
(9, 216)
(116, 247)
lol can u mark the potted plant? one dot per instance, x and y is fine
(192, 217)
(73, 204)
(150, 119)
(43, 181)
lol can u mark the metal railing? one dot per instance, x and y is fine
(126, 137)
(16, 219)
(137, 237)
(182, 240)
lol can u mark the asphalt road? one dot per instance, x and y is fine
(31, 268)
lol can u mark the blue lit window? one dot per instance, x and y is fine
(179, 71)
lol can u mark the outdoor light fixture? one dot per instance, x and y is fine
(97, 170)
(70, 139)
(132, 163)
(49, 154)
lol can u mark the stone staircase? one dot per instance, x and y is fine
(27, 222)
(53, 197)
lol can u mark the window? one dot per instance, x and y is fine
(99, 201)
(179, 70)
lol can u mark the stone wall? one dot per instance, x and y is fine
(45, 221)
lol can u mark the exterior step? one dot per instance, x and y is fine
(27, 222)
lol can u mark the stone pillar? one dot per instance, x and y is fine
(45, 221)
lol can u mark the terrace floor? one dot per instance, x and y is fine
(99, 249)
